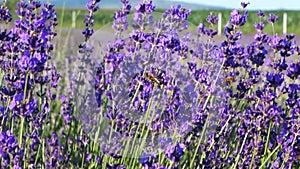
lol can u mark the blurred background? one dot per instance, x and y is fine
(71, 12)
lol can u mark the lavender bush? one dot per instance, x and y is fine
(159, 94)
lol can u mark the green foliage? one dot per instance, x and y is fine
(12, 4)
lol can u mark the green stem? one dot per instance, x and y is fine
(23, 118)
(205, 125)
(284, 161)
(242, 147)
(268, 158)
(268, 139)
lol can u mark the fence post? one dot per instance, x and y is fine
(284, 23)
(219, 23)
(73, 19)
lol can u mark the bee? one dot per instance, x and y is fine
(156, 76)
(230, 79)
(152, 78)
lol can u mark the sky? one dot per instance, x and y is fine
(254, 4)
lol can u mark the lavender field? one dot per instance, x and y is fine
(147, 91)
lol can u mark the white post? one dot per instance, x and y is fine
(73, 19)
(219, 23)
(284, 23)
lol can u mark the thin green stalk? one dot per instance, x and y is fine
(268, 139)
(82, 160)
(273, 28)
(285, 160)
(205, 125)
(253, 158)
(143, 127)
(238, 156)
(23, 118)
(268, 158)
(43, 152)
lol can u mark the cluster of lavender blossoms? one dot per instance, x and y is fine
(157, 96)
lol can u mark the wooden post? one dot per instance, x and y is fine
(73, 19)
(219, 23)
(284, 29)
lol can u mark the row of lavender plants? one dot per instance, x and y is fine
(158, 95)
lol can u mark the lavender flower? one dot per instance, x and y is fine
(5, 15)
(10, 152)
(67, 110)
(149, 160)
(272, 18)
(238, 19)
(176, 18)
(175, 152)
(275, 79)
(89, 18)
(260, 14)
(145, 7)
(212, 19)
(294, 70)
(54, 158)
(120, 17)
(244, 4)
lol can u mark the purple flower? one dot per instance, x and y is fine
(55, 76)
(265, 94)
(100, 83)
(149, 160)
(258, 59)
(260, 14)
(294, 70)
(16, 100)
(244, 4)
(275, 79)
(88, 32)
(212, 19)
(201, 75)
(175, 152)
(145, 7)
(275, 43)
(88, 158)
(24, 61)
(5, 14)
(259, 26)
(67, 110)
(238, 19)
(175, 18)
(138, 36)
(288, 45)
(201, 28)
(120, 17)
(115, 166)
(272, 18)
(275, 111)
(91, 5)
(89, 19)
(9, 149)
(171, 43)
(54, 157)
